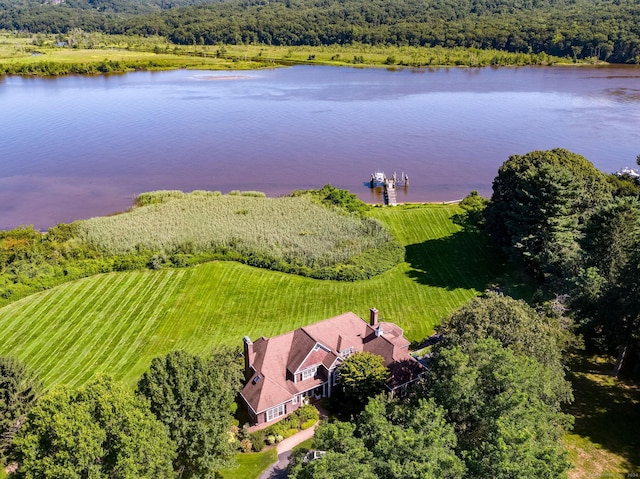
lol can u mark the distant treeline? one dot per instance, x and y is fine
(604, 30)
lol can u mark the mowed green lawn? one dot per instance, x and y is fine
(116, 323)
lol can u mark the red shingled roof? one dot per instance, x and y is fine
(276, 360)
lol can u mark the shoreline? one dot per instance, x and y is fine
(18, 56)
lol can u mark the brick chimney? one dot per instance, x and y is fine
(248, 356)
(373, 317)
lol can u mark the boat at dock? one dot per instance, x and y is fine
(626, 171)
(378, 178)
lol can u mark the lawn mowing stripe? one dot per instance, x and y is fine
(25, 306)
(160, 341)
(62, 359)
(143, 315)
(179, 324)
(121, 313)
(89, 329)
(147, 311)
(142, 354)
(53, 309)
(110, 330)
(30, 325)
(105, 286)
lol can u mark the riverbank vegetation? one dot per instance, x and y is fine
(294, 234)
(603, 31)
(99, 53)
(95, 53)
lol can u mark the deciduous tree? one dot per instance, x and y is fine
(100, 431)
(194, 399)
(363, 375)
(507, 420)
(515, 324)
(390, 440)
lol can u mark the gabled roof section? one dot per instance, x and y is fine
(302, 345)
(315, 357)
(270, 364)
(382, 347)
(330, 360)
(340, 332)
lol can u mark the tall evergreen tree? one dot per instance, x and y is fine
(611, 237)
(539, 202)
(19, 390)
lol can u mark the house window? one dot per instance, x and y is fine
(275, 412)
(295, 399)
(309, 373)
(347, 352)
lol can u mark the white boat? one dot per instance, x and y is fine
(378, 178)
(626, 171)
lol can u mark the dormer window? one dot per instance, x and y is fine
(346, 353)
(309, 373)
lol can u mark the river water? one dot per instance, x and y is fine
(76, 147)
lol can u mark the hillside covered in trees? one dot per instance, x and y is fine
(602, 30)
(576, 231)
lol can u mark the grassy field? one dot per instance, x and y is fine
(251, 465)
(16, 50)
(118, 322)
(604, 442)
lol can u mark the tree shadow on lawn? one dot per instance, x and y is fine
(464, 259)
(606, 410)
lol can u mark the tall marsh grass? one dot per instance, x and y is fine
(286, 234)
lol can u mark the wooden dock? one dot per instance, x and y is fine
(390, 197)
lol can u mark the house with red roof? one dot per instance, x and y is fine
(286, 371)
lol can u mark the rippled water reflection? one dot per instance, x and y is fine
(76, 147)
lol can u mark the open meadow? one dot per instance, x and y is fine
(28, 55)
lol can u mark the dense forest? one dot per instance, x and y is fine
(603, 30)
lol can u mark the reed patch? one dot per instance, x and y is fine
(290, 234)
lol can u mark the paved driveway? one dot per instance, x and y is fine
(278, 470)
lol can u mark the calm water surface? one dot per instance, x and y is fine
(76, 147)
